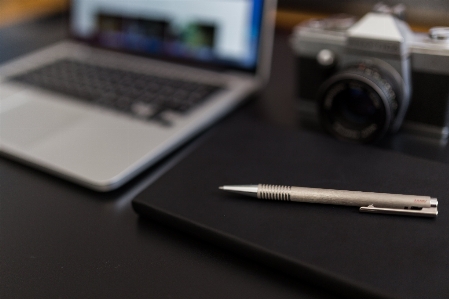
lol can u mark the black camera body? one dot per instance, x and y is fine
(364, 79)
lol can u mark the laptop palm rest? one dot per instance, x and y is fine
(74, 140)
(26, 122)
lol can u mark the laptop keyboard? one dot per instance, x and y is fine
(141, 95)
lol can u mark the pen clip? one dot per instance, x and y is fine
(424, 212)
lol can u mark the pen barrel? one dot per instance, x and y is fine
(343, 197)
(358, 198)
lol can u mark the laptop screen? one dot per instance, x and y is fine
(216, 32)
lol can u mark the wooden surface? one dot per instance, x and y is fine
(287, 19)
(12, 11)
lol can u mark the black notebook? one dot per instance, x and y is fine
(351, 253)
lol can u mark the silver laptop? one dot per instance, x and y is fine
(139, 78)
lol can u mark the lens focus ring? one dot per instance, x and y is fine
(359, 103)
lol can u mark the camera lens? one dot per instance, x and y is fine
(355, 105)
(359, 104)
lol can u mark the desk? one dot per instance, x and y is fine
(58, 240)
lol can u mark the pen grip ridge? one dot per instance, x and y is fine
(274, 192)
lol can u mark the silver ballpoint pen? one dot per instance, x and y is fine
(370, 202)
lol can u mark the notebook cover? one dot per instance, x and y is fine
(354, 254)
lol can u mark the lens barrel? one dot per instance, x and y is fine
(359, 103)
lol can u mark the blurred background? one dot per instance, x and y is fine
(421, 14)
(425, 13)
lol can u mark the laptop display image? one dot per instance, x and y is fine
(137, 80)
(226, 33)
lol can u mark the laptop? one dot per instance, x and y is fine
(136, 80)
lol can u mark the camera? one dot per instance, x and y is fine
(363, 79)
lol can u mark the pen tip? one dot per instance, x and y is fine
(242, 189)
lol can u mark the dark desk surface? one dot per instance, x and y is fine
(58, 240)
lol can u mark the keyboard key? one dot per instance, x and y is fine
(143, 110)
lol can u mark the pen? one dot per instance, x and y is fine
(369, 202)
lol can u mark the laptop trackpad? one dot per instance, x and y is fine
(31, 122)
